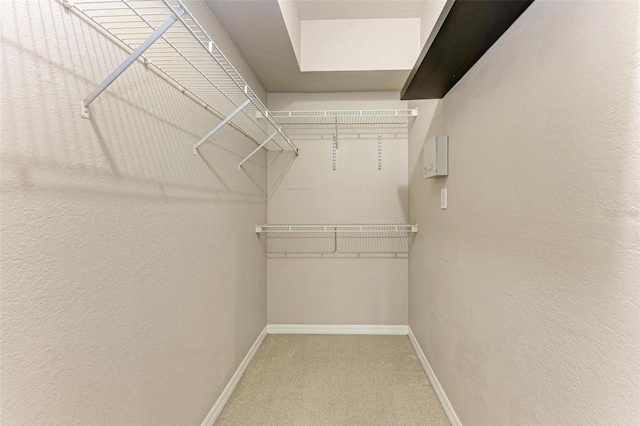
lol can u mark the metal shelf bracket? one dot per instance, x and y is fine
(379, 151)
(220, 126)
(259, 147)
(84, 106)
(335, 151)
(186, 57)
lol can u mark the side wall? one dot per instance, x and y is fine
(525, 293)
(132, 280)
(312, 290)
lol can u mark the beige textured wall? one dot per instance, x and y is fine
(132, 281)
(307, 190)
(525, 293)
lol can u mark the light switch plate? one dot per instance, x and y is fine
(443, 198)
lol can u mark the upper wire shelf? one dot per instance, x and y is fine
(345, 122)
(188, 56)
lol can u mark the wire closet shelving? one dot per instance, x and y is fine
(347, 124)
(390, 123)
(332, 239)
(189, 57)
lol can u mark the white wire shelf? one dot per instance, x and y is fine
(185, 54)
(325, 238)
(345, 122)
(382, 228)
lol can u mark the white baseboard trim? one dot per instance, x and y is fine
(228, 390)
(446, 404)
(337, 329)
(331, 329)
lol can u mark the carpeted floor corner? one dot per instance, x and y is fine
(334, 380)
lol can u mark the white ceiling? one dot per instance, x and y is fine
(258, 30)
(360, 9)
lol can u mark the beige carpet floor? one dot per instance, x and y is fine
(334, 380)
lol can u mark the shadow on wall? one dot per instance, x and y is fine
(425, 128)
(403, 198)
(140, 137)
(279, 163)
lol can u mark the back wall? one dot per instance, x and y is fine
(308, 289)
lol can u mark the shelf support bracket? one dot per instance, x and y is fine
(259, 147)
(335, 150)
(220, 126)
(379, 151)
(336, 136)
(84, 105)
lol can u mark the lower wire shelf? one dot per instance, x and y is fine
(345, 240)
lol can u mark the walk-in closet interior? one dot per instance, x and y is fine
(320, 212)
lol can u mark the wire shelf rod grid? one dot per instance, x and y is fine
(187, 56)
(327, 238)
(345, 122)
(341, 228)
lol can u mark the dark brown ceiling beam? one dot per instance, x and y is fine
(465, 30)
